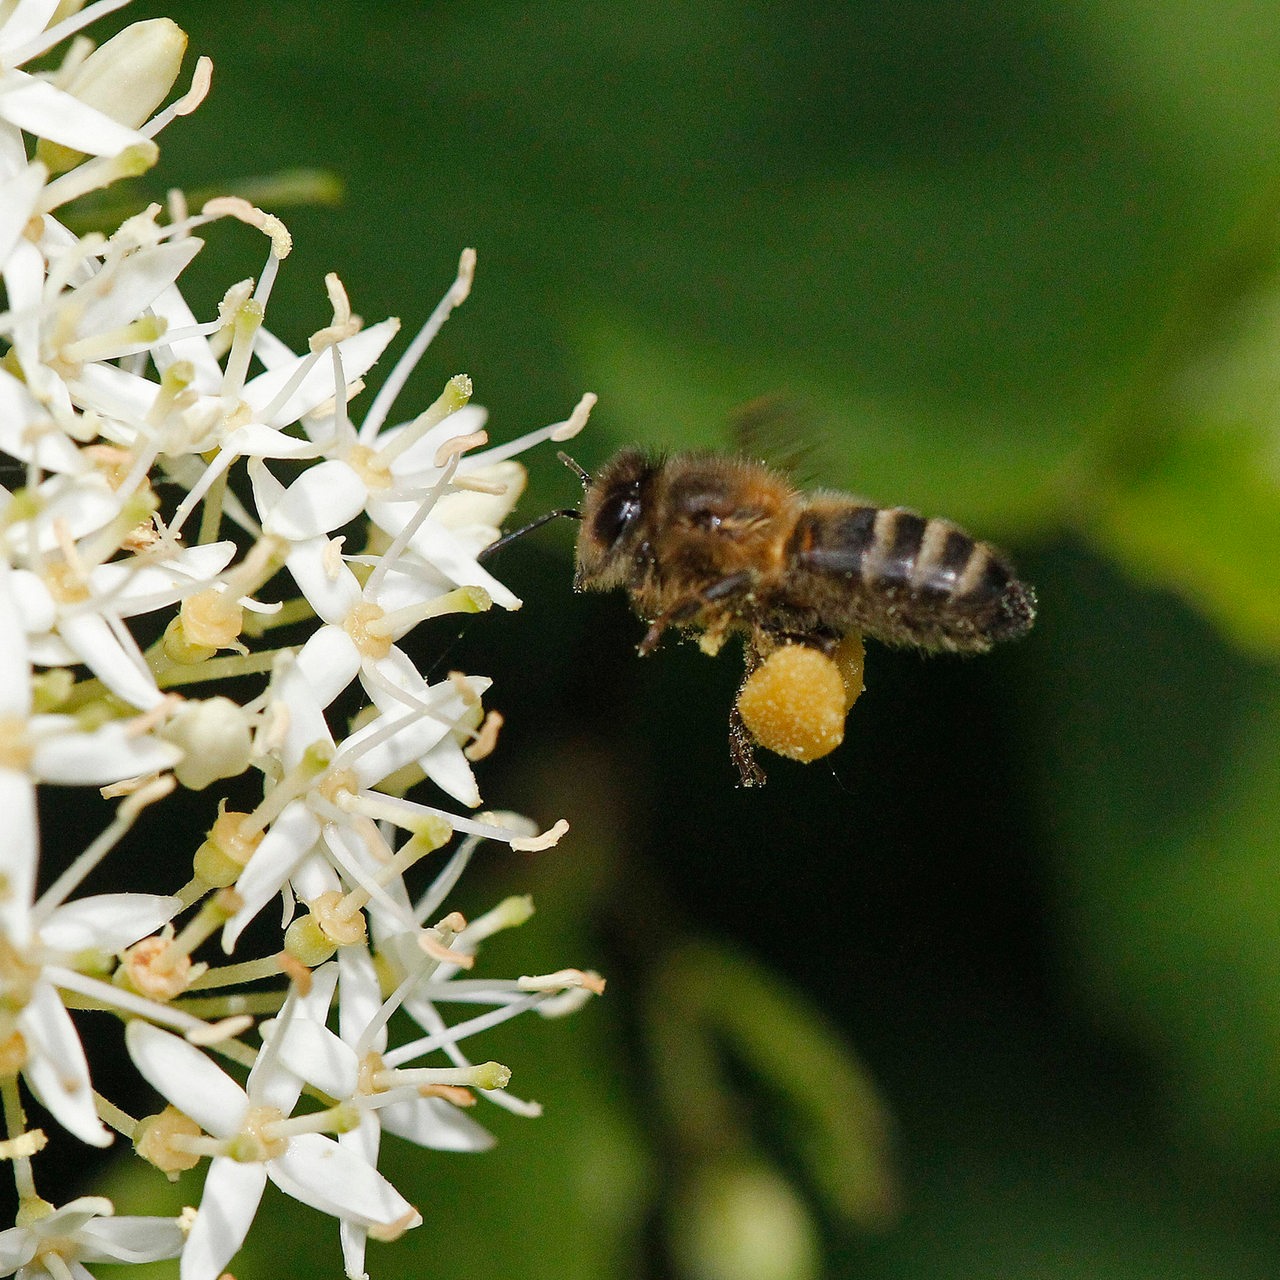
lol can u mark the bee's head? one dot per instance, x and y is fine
(613, 518)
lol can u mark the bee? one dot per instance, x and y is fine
(715, 544)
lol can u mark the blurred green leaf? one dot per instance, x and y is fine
(1186, 490)
(1204, 518)
(1161, 751)
(1194, 70)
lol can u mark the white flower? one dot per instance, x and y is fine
(321, 830)
(348, 1067)
(257, 1140)
(424, 980)
(54, 1244)
(79, 302)
(74, 612)
(112, 390)
(413, 480)
(39, 950)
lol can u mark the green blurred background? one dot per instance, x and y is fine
(1019, 262)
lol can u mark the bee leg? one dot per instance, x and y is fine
(725, 587)
(689, 609)
(742, 751)
(742, 747)
(653, 636)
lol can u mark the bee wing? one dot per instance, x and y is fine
(777, 430)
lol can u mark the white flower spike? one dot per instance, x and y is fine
(144, 655)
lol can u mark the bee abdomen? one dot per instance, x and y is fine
(915, 581)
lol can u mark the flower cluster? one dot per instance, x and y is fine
(302, 547)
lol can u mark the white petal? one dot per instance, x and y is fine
(57, 1070)
(330, 661)
(315, 1004)
(116, 393)
(324, 497)
(96, 645)
(363, 1141)
(318, 1172)
(361, 997)
(435, 1123)
(27, 431)
(258, 440)
(290, 839)
(307, 724)
(107, 921)
(24, 22)
(271, 351)
(68, 756)
(232, 1193)
(24, 279)
(125, 589)
(447, 766)
(320, 1058)
(15, 668)
(271, 1083)
(466, 508)
(49, 651)
(359, 354)
(188, 1078)
(441, 708)
(13, 153)
(140, 279)
(31, 598)
(69, 506)
(19, 854)
(18, 1246)
(420, 456)
(332, 590)
(172, 308)
(71, 1218)
(47, 112)
(131, 1239)
(442, 550)
(352, 1237)
(267, 490)
(408, 582)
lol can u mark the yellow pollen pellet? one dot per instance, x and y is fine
(794, 703)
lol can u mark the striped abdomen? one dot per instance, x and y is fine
(906, 580)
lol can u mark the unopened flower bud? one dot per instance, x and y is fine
(214, 734)
(127, 79)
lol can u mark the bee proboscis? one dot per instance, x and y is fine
(712, 543)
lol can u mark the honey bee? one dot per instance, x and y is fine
(719, 545)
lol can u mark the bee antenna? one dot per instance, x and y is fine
(569, 513)
(582, 475)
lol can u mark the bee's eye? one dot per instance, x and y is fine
(617, 514)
